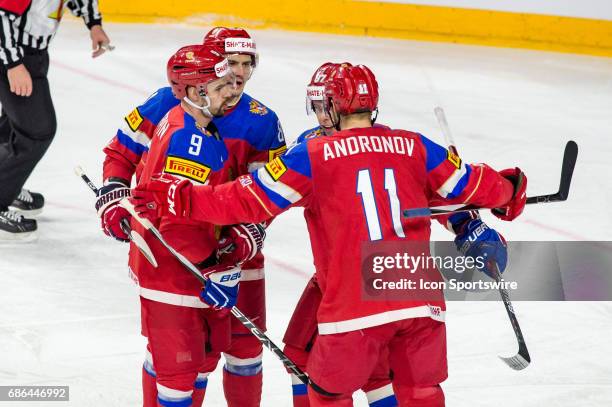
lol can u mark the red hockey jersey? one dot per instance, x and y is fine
(355, 184)
(181, 148)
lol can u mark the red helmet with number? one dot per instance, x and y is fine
(315, 88)
(352, 88)
(195, 65)
(232, 41)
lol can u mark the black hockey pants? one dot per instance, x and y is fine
(27, 126)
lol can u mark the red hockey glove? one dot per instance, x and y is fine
(239, 243)
(110, 212)
(516, 205)
(163, 195)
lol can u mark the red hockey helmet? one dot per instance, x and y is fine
(352, 88)
(232, 41)
(315, 88)
(195, 65)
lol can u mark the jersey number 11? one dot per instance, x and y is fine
(365, 189)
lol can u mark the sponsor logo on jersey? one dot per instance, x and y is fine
(245, 180)
(134, 119)
(276, 168)
(187, 168)
(276, 152)
(454, 159)
(435, 311)
(257, 108)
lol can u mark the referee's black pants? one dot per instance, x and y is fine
(27, 126)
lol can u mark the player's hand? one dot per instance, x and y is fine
(110, 212)
(239, 243)
(516, 205)
(475, 239)
(221, 288)
(20, 80)
(163, 195)
(100, 42)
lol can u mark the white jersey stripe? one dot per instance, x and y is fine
(424, 311)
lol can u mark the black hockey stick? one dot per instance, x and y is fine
(567, 170)
(258, 333)
(521, 360)
(125, 225)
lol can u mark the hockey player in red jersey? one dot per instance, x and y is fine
(253, 135)
(301, 332)
(177, 318)
(355, 182)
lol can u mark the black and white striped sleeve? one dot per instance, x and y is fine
(88, 9)
(11, 53)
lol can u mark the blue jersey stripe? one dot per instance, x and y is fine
(389, 401)
(297, 159)
(463, 181)
(299, 389)
(436, 154)
(277, 199)
(131, 145)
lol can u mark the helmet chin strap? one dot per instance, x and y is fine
(204, 108)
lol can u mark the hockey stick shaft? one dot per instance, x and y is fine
(125, 224)
(567, 170)
(521, 360)
(254, 329)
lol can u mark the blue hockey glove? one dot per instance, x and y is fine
(475, 239)
(221, 288)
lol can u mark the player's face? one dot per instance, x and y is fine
(322, 117)
(220, 92)
(242, 66)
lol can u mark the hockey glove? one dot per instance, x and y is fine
(163, 195)
(110, 212)
(221, 288)
(239, 243)
(516, 205)
(476, 240)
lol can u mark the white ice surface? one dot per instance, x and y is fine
(69, 314)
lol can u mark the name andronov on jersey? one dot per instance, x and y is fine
(367, 144)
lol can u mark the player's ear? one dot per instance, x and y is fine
(192, 94)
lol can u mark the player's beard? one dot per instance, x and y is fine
(220, 111)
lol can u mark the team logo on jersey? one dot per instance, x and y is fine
(257, 108)
(454, 159)
(276, 168)
(276, 152)
(134, 119)
(187, 168)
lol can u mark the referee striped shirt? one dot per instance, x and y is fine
(36, 26)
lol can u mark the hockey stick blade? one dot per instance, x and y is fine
(567, 171)
(138, 240)
(522, 359)
(254, 329)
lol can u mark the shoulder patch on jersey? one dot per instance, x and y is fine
(276, 168)
(257, 108)
(187, 168)
(454, 159)
(276, 152)
(134, 119)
